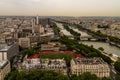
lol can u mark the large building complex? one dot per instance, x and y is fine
(93, 65)
(57, 65)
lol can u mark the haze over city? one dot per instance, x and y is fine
(60, 7)
(59, 39)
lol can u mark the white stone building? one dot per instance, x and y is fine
(93, 65)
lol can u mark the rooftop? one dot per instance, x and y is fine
(4, 47)
(78, 56)
(89, 61)
(55, 62)
(3, 64)
(57, 52)
(34, 56)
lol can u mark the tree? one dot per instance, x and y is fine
(12, 76)
(117, 65)
(74, 77)
(88, 76)
(106, 58)
(104, 78)
(21, 75)
(117, 77)
(36, 75)
(62, 77)
(101, 48)
(92, 46)
(114, 39)
(84, 76)
(85, 50)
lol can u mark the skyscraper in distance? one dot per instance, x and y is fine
(37, 19)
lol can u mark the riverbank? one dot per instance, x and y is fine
(112, 58)
(110, 49)
(112, 43)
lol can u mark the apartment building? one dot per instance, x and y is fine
(7, 51)
(57, 65)
(93, 65)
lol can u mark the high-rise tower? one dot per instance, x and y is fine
(37, 19)
(33, 25)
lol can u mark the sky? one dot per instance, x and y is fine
(60, 7)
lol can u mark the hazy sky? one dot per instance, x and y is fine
(60, 7)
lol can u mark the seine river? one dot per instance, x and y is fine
(110, 49)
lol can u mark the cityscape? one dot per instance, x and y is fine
(62, 40)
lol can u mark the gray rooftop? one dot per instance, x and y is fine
(3, 64)
(89, 61)
(4, 46)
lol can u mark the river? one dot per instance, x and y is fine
(110, 49)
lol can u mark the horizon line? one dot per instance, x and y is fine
(57, 16)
